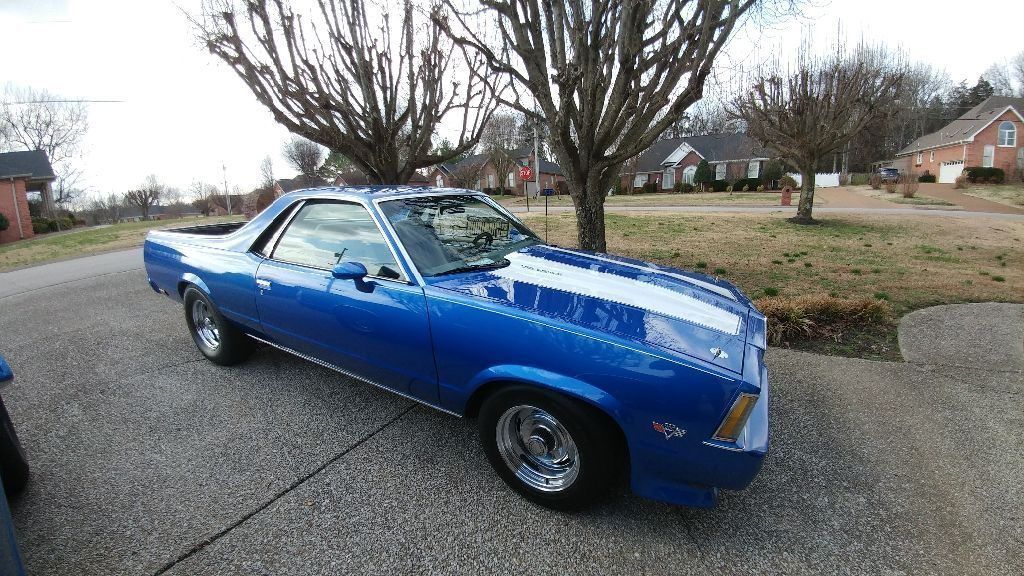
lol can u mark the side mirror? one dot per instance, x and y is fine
(349, 271)
(5, 371)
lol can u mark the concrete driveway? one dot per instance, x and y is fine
(147, 460)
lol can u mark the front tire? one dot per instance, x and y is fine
(555, 451)
(217, 338)
(13, 464)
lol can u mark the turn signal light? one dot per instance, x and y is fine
(731, 427)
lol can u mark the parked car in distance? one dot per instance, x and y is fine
(582, 369)
(889, 174)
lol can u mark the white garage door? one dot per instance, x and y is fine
(948, 171)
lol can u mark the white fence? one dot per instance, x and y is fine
(821, 180)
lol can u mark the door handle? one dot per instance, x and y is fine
(262, 284)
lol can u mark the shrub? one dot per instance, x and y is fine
(859, 179)
(909, 186)
(773, 171)
(746, 184)
(818, 316)
(729, 188)
(760, 188)
(979, 175)
(961, 182)
(926, 177)
(40, 225)
(650, 188)
(688, 189)
(4, 222)
(890, 187)
(788, 181)
(719, 185)
(678, 188)
(875, 181)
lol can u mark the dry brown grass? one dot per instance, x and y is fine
(81, 242)
(913, 261)
(818, 316)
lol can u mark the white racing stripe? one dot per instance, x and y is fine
(705, 285)
(595, 284)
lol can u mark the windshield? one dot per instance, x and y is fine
(450, 234)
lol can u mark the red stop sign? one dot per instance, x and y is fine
(525, 173)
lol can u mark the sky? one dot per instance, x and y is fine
(183, 115)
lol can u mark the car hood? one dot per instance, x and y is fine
(674, 311)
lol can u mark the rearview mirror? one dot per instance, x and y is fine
(349, 271)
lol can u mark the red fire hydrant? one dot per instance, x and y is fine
(787, 196)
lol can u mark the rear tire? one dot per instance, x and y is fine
(217, 338)
(556, 451)
(13, 464)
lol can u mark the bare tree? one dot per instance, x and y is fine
(467, 174)
(1007, 77)
(607, 76)
(498, 141)
(808, 113)
(375, 95)
(304, 155)
(267, 173)
(704, 117)
(33, 119)
(146, 196)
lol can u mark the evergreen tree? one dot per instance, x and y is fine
(703, 175)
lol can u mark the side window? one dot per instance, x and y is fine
(325, 234)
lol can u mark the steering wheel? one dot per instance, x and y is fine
(487, 237)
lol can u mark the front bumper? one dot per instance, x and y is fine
(692, 476)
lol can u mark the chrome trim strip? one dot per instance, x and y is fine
(352, 375)
(719, 446)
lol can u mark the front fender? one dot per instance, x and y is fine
(572, 387)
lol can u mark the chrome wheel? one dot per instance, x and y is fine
(205, 324)
(537, 448)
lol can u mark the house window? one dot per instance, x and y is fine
(920, 158)
(639, 180)
(1020, 158)
(511, 179)
(931, 156)
(720, 171)
(753, 169)
(668, 179)
(490, 180)
(439, 182)
(689, 171)
(1007, 134)
(988, 156)
(479, 184)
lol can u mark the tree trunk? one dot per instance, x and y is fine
(803, 211)
(588, 201)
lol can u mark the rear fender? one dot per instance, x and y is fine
(190, 278)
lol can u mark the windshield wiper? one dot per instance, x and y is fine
(476, 267)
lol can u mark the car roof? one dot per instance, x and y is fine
(376, 192)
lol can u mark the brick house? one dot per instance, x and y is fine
(357, 178)
(988, 135)
(21, 173)
(478, 172)
(731, 156)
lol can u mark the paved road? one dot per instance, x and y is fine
(147, 459)
(612, 209)
(36, 277)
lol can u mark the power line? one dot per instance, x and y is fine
(65, 102)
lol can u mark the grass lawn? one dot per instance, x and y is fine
(911, 261)
(664, 199)
(1009, 194)
(83, 241)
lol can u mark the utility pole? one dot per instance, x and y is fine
(227, 193)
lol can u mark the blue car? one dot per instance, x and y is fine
(583, 370)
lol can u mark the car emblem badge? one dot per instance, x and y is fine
(669, 430)
(719, 353)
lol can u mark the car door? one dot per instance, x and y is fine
(375, 328)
